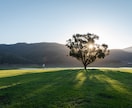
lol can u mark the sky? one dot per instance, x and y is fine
(34, 21)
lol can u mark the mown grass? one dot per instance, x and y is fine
(69, 88)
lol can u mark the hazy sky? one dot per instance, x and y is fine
(57, 20)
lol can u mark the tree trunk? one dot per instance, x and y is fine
(85, 67)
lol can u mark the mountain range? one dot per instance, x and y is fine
(56, 55)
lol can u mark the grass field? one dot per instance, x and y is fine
(66, 88)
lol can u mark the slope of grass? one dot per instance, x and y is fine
(69, 88)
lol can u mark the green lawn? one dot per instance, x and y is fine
(66, 88)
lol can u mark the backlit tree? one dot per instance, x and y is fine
(84, 48)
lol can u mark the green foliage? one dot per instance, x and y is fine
(84, 48)
(97, 88)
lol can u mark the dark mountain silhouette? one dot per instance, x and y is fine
(55, 55)
(51, 54)
(116, 58)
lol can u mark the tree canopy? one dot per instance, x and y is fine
(84, 48)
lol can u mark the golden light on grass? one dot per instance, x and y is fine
(10, 73)
(116, 85)
(80, 78)
(11, 85)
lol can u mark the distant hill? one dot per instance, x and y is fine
(116, 58)
(129, 49)
(55, 55)
(51, 54)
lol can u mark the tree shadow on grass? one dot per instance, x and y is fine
(113, 85)
(109, 87)
(67, 88)
(44, 86)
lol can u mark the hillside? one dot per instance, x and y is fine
(55, 55)
(117, 57)
(129, 49)
(66, 88)
(52, 54)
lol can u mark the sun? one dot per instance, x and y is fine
(90, 46)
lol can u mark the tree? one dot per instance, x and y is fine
(84, 48)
